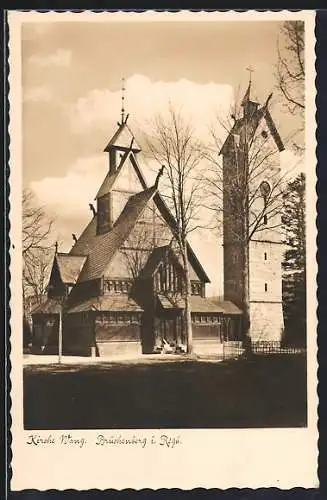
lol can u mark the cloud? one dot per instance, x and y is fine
(67, 197)
(61, 58)
(42, 93)
(100, 108)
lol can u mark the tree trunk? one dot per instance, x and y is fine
(246, 250)
(246, 300)
(187, 303)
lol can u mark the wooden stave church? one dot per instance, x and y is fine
(105, 306)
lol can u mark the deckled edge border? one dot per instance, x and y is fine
(321, 174)
(6, 246)
(241, 493)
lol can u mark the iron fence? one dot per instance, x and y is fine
(274, 347)
(235, 349)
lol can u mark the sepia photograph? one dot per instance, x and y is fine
(164, 206)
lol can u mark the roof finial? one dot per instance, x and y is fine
(159, 174)
(250, 70)
(123, 100)
(94, 212)
(56, 247)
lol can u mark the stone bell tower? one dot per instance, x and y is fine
(252, 204)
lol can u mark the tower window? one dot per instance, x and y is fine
(265, 219)
(264, 134)
(265, 255)
(266, 287)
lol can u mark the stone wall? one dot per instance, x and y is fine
(265, 269)
(266, 321)
(266, 311)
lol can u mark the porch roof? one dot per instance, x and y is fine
(50, 306)
(201, 305)
(117, 302)
(198, 304)
(229, 307)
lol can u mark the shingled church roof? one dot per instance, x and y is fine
(119, 302)
(201, 304)
(198, 304)
(102, 247)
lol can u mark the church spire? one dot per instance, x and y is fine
(247, 95)
(123, 100)
(249, 106)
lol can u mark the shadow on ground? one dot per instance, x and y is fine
(268, 391)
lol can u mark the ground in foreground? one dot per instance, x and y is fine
(268, 391)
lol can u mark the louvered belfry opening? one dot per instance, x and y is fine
(104, 214)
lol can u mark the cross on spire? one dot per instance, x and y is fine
(250, 70)
(123, 99)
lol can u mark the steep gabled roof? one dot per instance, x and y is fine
(89, 238)
(104, 246)
(122, 139)
(257, 116)
(69, 267)
(168, 217)
(273, 130)
(85, 242)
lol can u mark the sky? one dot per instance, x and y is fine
(71, 81)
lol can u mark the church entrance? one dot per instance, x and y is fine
(45, 333)
(168, 330)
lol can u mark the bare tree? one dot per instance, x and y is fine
(36, 247)
(245, 185)
(173, 145)
(291, 68)
(36, 272)
(137, 248)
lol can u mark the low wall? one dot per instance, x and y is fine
(132, 348)
(207, 346)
